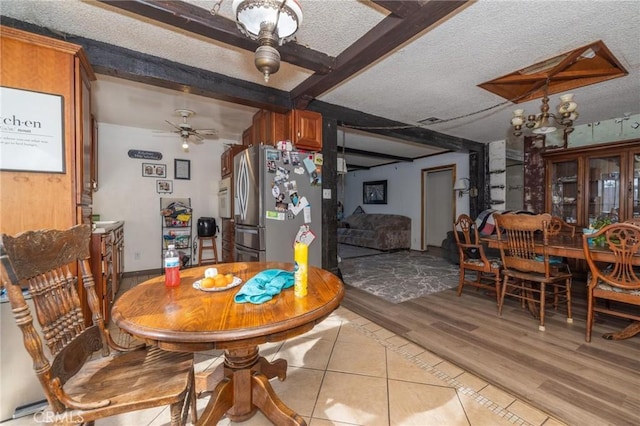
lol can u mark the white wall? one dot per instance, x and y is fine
(403, 189)
(123, 194)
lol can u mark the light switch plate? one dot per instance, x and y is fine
(326, 194)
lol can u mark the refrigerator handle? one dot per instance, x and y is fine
(242, 187)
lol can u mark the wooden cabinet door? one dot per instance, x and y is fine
(306, 129)
(225, 163)
(247, 136)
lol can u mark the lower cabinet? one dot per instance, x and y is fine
(107, 255)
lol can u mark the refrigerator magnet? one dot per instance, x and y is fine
(298, 170)
(307, 214)
(295, 158)
(271, 166)
(275, 190)
(305, 235)
(317, 159)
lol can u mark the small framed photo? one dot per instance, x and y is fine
(182, 169)
(164, 186)
(374, 192)
(154, 170)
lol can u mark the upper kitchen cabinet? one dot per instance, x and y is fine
(583, 184)
(226, 160)
(305, 129)
(268, 127)
(247, 136)
(36, 199)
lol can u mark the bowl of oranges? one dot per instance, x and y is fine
(214, 281)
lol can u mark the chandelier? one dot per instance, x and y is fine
(545, 122)
(270, 22)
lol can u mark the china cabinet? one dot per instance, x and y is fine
(585, 183)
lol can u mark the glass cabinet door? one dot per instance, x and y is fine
(564, 190)
(634, 185)
(604, 189)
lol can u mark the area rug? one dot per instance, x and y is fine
(400, 276)
(347, 251)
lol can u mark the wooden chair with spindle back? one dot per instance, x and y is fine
(474, 260)
(527, 273)
(613, 282)
(85, 375)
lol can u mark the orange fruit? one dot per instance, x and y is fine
(220, 280)
(207, 282)
(229, 278)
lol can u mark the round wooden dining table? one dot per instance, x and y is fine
(187, 319)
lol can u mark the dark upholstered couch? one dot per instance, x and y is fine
(374, 230)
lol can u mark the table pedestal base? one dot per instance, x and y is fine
(245, 388)
(629, 331)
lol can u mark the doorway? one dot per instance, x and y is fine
(438, 205)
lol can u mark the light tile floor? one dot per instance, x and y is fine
(350, 371)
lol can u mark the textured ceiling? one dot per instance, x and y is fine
(435, 74)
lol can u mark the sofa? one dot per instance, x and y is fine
(375, 230)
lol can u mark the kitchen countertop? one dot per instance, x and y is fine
(104, 226)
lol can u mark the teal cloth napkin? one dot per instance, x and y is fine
(264, 285)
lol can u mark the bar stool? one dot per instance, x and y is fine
(213, 247)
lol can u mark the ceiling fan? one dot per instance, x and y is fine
(187, 132)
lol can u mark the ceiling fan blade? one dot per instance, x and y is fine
(207, 132)
(197, 142)
(174, 125)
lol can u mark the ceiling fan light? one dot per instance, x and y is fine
(185, 144)
(251, 14)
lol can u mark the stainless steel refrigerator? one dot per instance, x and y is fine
(278, 198)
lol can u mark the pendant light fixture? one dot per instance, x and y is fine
(272, 23)
(544, 122)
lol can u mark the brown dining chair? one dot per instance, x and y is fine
(85, 375)
(633, 221)
(528, 273)
(613, 282)
(558, 226)
(485, 272)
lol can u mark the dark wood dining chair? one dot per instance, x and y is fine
(613, 282)
(528, 273)
(485, 272)
(85, 375)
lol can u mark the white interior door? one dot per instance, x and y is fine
(438, 205)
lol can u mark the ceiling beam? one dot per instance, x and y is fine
(395, 129)
(382, 39)
(402, 9)
(135, 66)
(372, 154)
(200, 21)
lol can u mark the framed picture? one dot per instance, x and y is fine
(164, 186)
(32, 131)
(374, 192)
(154, 170)
(182, 169)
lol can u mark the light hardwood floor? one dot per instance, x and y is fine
(580, 383)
